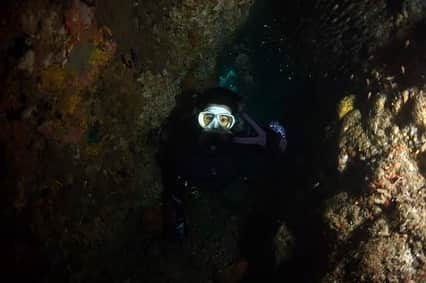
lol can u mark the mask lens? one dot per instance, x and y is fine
(226, 121)
(207, 118)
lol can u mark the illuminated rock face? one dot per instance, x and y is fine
(373, 218)
(379, 221)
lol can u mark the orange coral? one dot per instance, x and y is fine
(71, 104)
(53, 79)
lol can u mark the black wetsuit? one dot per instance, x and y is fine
(191, 157)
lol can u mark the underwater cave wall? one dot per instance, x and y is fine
(85, 86)
(366, 59)
(368, 55)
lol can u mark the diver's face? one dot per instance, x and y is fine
(216, 118)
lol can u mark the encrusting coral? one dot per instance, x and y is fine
(380, 221)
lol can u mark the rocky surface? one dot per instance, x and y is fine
(85, 89)
(86, 85)
(377, 218)
(366, 59)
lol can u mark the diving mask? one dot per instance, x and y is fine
(216, 117)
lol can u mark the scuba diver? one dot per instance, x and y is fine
(207, 142)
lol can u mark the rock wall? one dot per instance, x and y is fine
(85, 87)
(366, 56)
(378, 219)
(375, 220)
(86, 84)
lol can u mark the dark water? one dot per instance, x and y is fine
(276, 88)
(262, 67)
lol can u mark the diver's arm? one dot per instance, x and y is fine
(274, 136)
(260, 139)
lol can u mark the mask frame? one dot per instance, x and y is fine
(215, 117)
